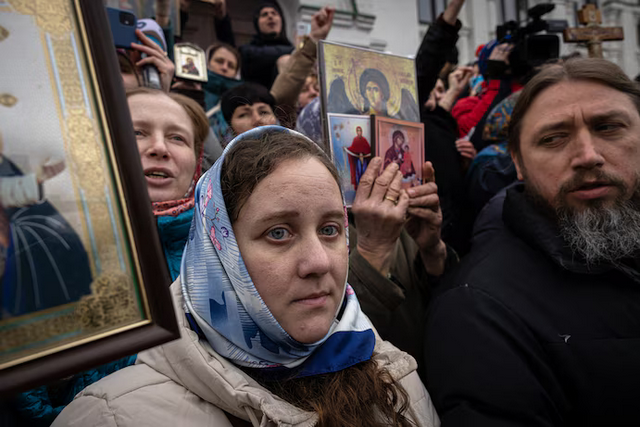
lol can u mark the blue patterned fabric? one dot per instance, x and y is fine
(222, 300)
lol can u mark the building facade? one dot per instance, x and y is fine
(397, 26)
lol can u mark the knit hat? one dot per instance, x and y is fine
(244, 94)
(151, 29)
(483, 58)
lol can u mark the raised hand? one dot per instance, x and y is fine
(48, 169)
(459, 78)
(219, 8)
(321, 23)
(501, 53)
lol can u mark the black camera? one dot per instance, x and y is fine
(530, 48)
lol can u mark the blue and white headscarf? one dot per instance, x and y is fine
(224, 304)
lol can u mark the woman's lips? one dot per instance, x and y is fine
(157, 176)
(313, 300)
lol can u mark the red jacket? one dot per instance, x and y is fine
(468, 111)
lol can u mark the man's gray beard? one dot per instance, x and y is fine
(597, 233)
(603, 234)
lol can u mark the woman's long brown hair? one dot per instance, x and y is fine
(363, 395)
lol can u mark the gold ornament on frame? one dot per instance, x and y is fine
(83, 275)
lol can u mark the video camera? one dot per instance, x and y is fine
(532, 49)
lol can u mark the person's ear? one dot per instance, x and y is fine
(517, 161)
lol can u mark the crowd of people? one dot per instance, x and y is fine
(497, 292)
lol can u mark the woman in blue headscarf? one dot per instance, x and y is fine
(271, 332)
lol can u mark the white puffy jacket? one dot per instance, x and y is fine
(184, 383)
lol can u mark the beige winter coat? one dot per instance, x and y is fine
(184, 384)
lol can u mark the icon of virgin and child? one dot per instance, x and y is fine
(375, 91)
(400, 153)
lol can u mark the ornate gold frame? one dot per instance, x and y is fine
(95, 138)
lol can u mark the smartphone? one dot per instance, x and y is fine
(302, 29)
(123, 27)
(151, 76)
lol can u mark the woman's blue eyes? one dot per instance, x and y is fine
(282, 233)
(329, 230)
(177, 138)
(278, 233)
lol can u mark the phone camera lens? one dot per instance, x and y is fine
(126, 19)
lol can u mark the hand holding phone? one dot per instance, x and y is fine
(153, 55)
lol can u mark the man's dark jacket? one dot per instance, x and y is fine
(259, 59)
(527, 334)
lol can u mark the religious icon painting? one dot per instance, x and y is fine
(82, 277)
(401, 142)
(349, 141)
(362, 81)
(191, 62)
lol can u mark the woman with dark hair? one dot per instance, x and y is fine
(262, 345)
(248, 106)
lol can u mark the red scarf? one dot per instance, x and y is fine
(176, 207)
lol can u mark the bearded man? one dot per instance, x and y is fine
(541, 325)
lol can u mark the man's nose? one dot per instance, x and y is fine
(587, 151)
